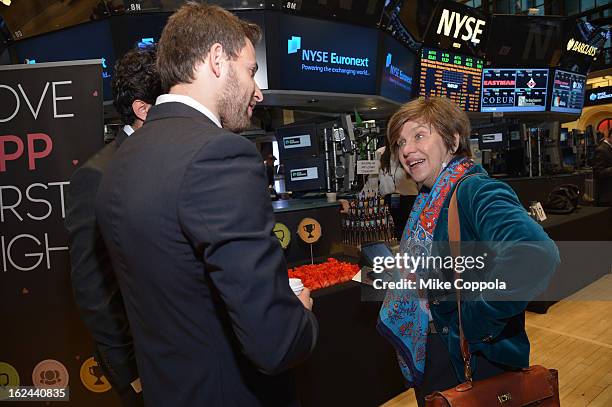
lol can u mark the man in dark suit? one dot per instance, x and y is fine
(136, 85)
(602, 171)
(186, 216)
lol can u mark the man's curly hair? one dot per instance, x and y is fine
(135, 78)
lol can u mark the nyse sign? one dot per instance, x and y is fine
(453, 24)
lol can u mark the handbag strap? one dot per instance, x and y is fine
(454, 240)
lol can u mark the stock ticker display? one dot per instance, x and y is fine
(450, 75)
(514, 90)
(567, 92)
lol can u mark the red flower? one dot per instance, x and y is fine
(332, 272)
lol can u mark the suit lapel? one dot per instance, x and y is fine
(121, 137)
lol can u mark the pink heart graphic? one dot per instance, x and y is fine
(75, 162)
(95, 93)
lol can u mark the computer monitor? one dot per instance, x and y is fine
(514, 90)
(450, 75)
(493, 140)
(297, 141)
(305, 174)
(567, 92)
(85, 41)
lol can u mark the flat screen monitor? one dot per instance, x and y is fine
(450, 75)
(397, 74)
(325, 56)
(492, 140)
(136, 30)
(297, 141)
(86, 41)
(567, 92)
(525, 41)
(514, 90)
(305, 174)
(599, 96)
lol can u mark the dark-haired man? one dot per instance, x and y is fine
(186, 215)
(135, 86)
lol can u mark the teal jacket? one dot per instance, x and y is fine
(490, 211)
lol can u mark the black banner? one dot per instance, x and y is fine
(51, 121)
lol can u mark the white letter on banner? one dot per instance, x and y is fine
(56, 98)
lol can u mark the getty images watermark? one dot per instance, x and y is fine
(428, 280)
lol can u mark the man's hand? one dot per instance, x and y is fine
(304, 296)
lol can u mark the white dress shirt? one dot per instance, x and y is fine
(128, 130)
(172, 97)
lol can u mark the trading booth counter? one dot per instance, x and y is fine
(291, 212)
(588, 223)
(291, 205)
(530, 189)
(352, 364)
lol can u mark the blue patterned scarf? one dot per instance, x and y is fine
(404, 316)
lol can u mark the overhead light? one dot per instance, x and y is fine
(373, 108)
(6, 2)
(313, 100)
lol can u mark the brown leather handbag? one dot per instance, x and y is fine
(534, 386)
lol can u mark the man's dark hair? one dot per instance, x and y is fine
(189, 35)
(135, 78)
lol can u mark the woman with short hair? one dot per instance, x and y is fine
(431, 138)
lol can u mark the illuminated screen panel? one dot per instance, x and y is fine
(514, 90)
(567, 92)
(85, 41)
(454, 76)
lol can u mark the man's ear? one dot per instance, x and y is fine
(216, 58)
(140, 109)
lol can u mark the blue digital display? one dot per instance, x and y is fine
(325, 56)
(398, 71)
(85, 41)
(514, 90)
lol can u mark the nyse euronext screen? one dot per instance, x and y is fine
(326, 56)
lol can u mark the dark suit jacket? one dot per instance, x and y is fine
(186, 215)
(95, 287)
(602, 174)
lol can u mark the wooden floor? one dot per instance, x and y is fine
(574, 337)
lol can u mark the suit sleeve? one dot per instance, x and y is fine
(602, 163)
(95, 288)
(524, 256)
(226, 213)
